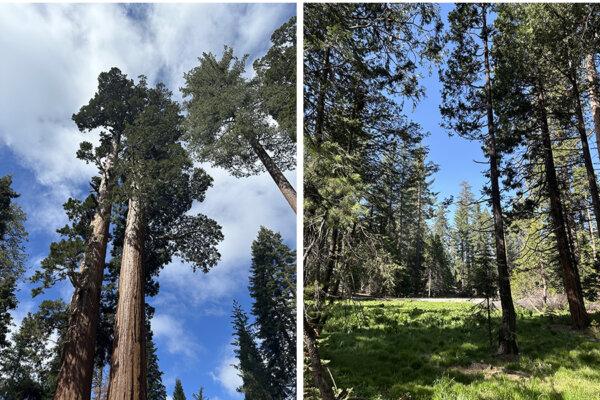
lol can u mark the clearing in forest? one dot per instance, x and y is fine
(404, 349)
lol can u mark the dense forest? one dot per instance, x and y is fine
(148, 160)
(522, 81)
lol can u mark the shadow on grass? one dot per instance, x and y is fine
(403, 350)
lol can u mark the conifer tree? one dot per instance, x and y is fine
(468, 108)
(463, 239)
(12, 257)
(178, 393)
(228, 121)
(112, 108)
(526, 78)
(200, 395)
(29, 366)
(272, 286)
(255, 378)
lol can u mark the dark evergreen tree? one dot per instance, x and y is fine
(273, 288)
(12, 256)
(200, 395)
(255, 378)
(29, 366)
(178, 393)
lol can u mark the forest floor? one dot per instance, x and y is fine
(407, 349)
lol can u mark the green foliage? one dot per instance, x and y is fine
(273, 288)
(439, 350)
(276, 77)
(227, 118)
(29, 366)
(156, 388)
(12, 256)
(255, 378)
(66, 255)
(200, 395)
(178, 393)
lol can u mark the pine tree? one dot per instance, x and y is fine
(468, 108)
(272, 286)
(200, 395)
(156, 388)
(228, 119)
(526, 77)
(463, 239)
(12, 257)
(29, 366)
(276, 77)
(178, 393)
(255, 378)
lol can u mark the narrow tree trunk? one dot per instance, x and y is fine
(572, 283)
(544, 284)
(331, 262)
(585, 148)
(319, 374)
(282, 183)
(507, 334)
(128, 361)
(320, 106)
(592, 236)
(77, 359)
(592, 75)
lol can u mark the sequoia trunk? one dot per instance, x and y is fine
(77, 361)
(507, 335)
(128, 361)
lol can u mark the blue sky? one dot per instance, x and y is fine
(53, 55)
(455, 156)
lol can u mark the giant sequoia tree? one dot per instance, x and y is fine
(159, 185)
(230, 118)
(112, 108)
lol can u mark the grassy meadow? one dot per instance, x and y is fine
(403, 349)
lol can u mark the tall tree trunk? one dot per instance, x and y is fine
(507, 335)
(320, 106)
(585, 148)
(128, 361)
(591, 229)
(319, 373)
(280, 180)
(592, 75)
(77, 359)
(571, 281)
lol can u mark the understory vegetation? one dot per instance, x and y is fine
(403, 349)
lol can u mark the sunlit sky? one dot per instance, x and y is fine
(52, 57)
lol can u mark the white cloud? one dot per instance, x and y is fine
(228, 376)
(173, 334)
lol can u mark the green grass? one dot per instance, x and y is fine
(396, 350)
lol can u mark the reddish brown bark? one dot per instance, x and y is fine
(128, 361)
(77, 361)
(570, 273)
